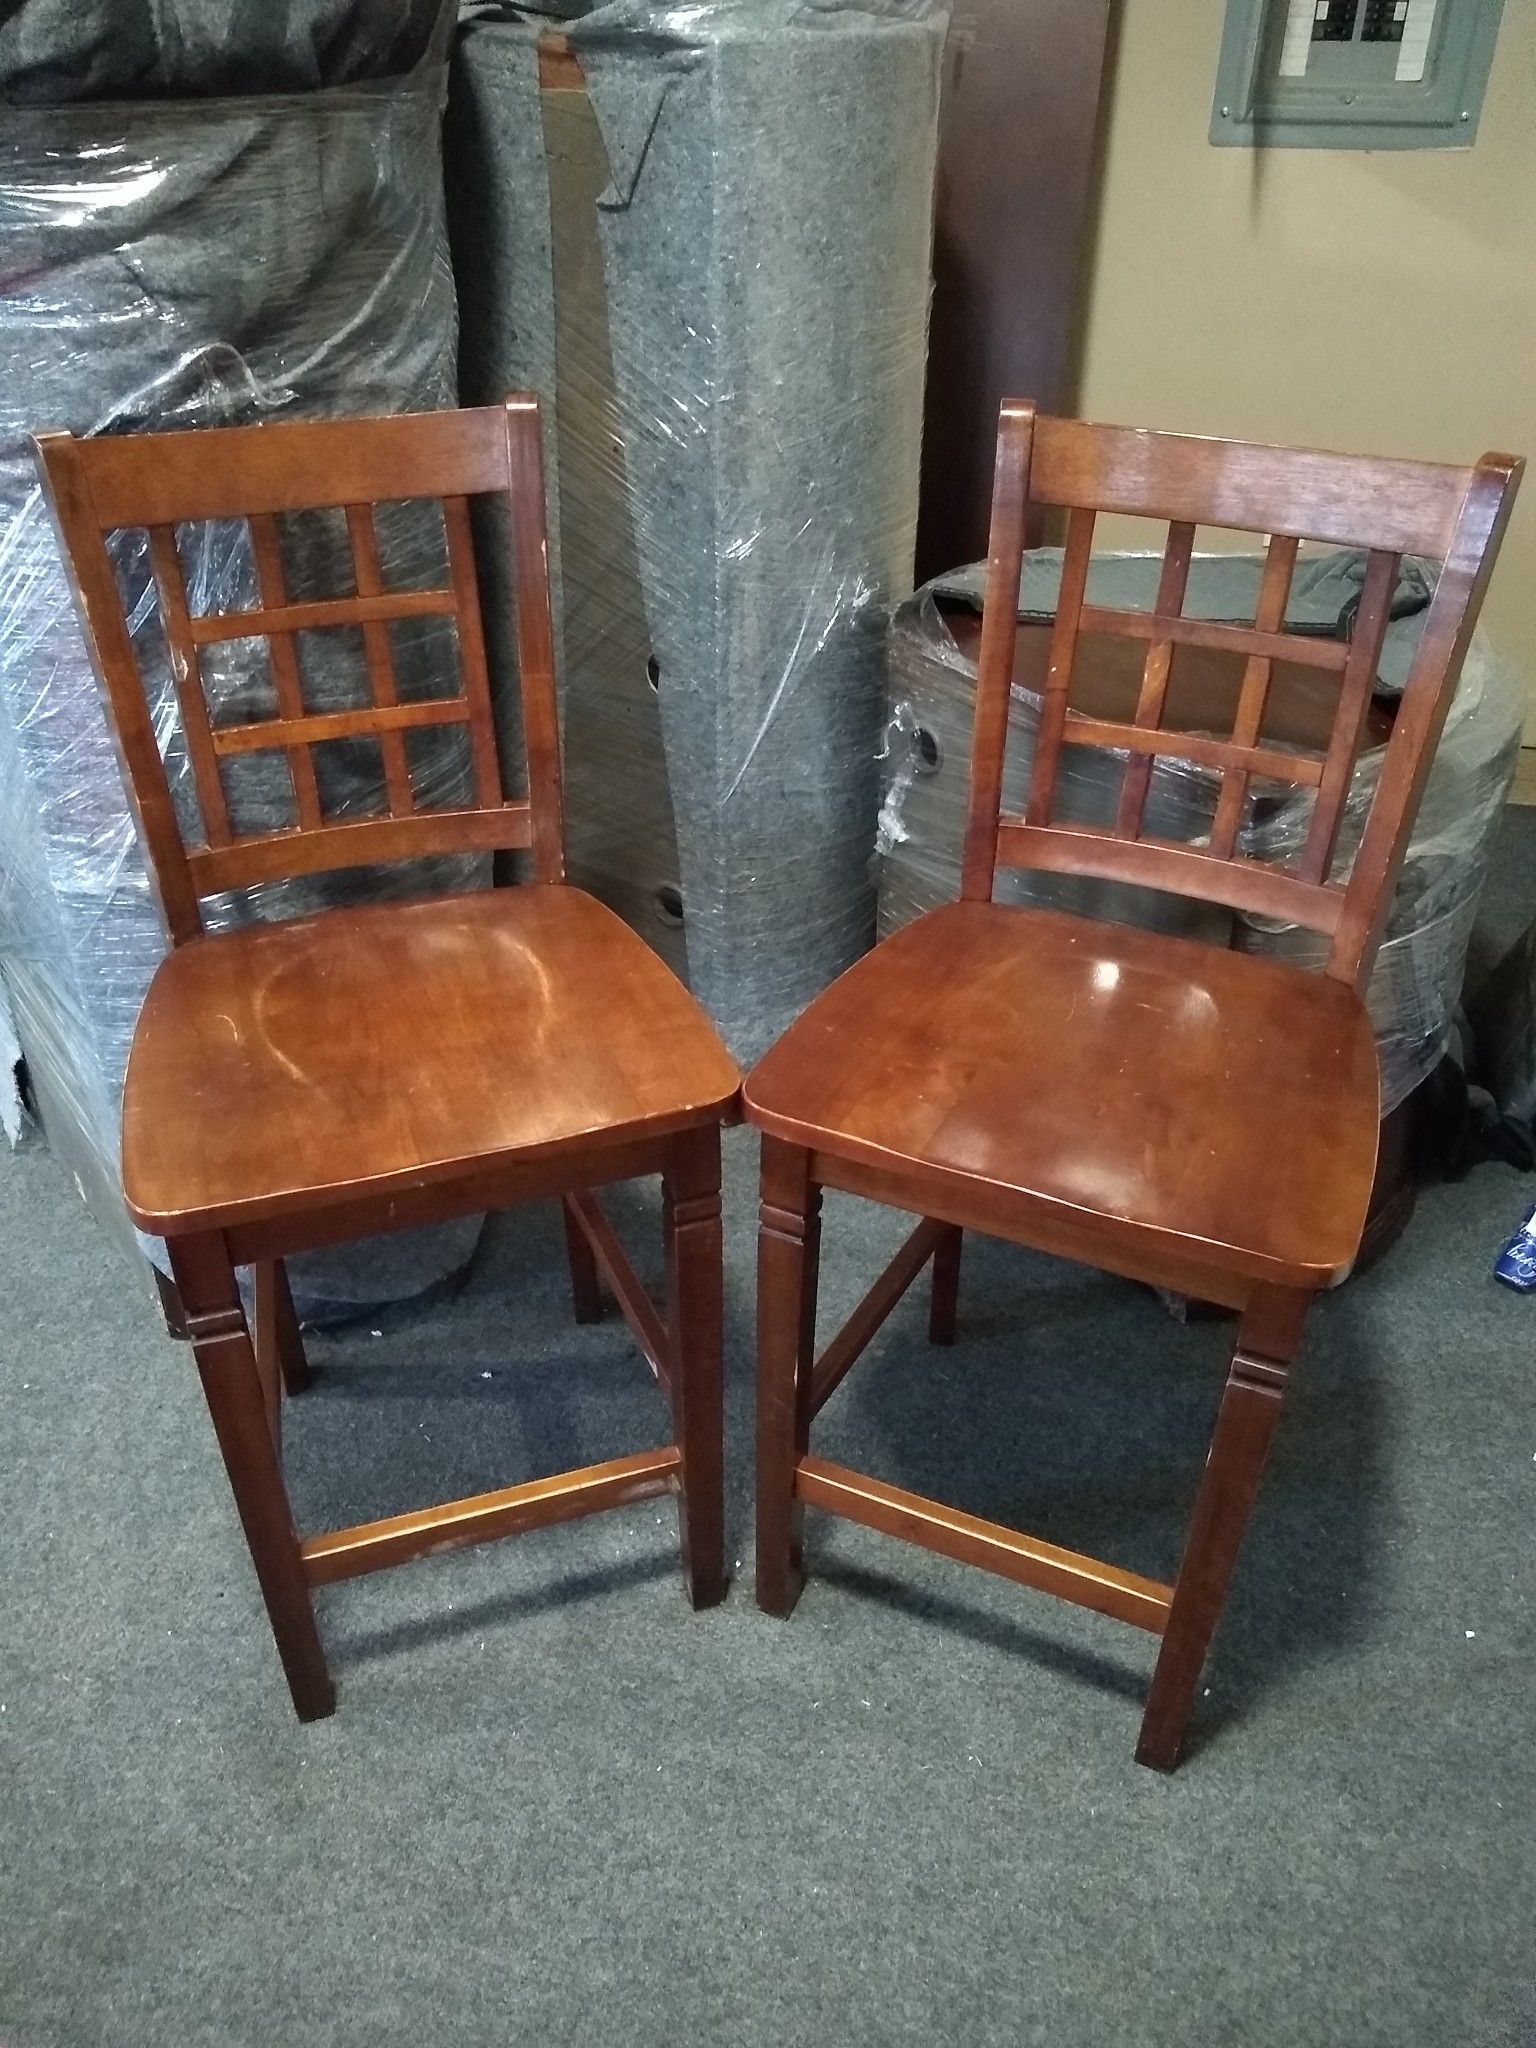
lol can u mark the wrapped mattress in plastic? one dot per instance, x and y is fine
(702, 233)
(177, 262)
(1417, 979)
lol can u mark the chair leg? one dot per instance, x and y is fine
(1250, 1407)
(226, 1363)
(945, 1302)
(788, 1259)
(586, 1292)
(290, 1339)
(695, 1303)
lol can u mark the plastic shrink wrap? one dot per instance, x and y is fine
(13, 1109)
(1417, 980)
(703, 236)
(183, 261)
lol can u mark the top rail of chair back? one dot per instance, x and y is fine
(285, 466)
(1349, 501)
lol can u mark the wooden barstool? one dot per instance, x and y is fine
(301, 1083)
(1199, 1119)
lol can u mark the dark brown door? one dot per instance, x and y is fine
(1022, 86)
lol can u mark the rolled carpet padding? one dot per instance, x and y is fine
(706, 244)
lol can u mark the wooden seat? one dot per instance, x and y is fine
(297, 1083)
(1194, 1118)
(510, 1024)
(1233, 1098)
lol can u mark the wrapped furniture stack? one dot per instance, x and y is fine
(177, 255)
(702, 235)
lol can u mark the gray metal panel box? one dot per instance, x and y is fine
(1354, 74)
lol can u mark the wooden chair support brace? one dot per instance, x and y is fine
(264, 1342)
(1067, 1574)
(231, 1377)
(642, 1315)
(482, 1517)
(850, 1343)
(691, 1227)
(279, 1342)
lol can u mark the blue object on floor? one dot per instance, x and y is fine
(1516, 1264)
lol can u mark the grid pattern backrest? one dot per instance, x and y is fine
(159, 482)
(1388, 508)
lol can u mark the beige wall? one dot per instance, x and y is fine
(1380, 301)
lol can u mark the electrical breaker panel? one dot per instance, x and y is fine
(1354, 74)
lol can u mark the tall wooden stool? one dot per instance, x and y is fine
(1200, 1119)
(297, 1084)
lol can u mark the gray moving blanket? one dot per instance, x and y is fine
(53, 52)
(710, 256)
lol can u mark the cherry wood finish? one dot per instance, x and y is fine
(1203, 694)
(372, 1546)
(1155, 1052)
(844, 1353)
(1199, 1119)
(858, 1498)
(506, 1025)
(296, 1084)
(944, 1300)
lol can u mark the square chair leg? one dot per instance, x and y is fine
(275, 1311)
(695, 1310)
(586, 1291)
(226, 1363)
(788, 1258)
(944, 1303)
(1245, 1425)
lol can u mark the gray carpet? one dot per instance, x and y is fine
(554, 1805)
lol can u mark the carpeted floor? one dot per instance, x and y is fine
(556, 1806)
